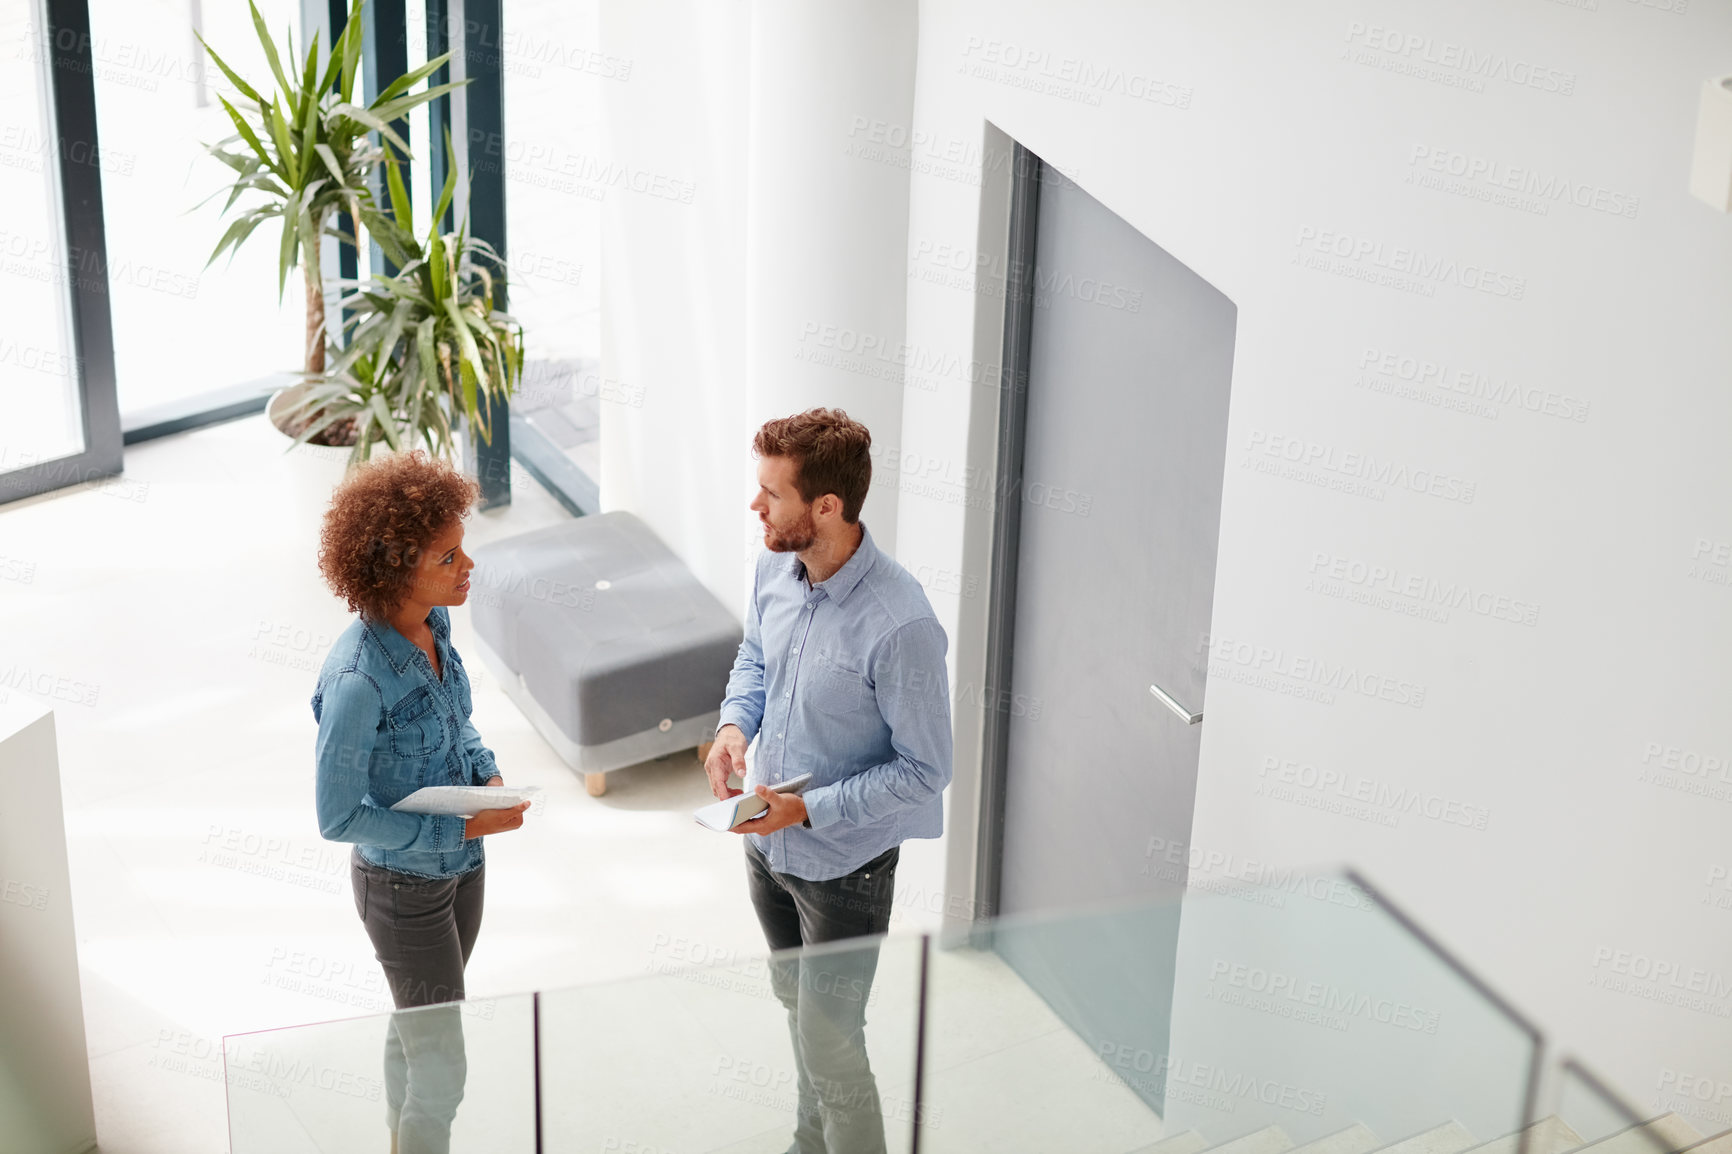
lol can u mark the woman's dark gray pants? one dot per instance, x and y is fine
(422, 930)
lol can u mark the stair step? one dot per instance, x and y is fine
(1659, 1135)
(1184, 1142)
(1550, 1135)
(1718, 1144)
(1449, 1138)
(1356, 1139)
(1268, 1140)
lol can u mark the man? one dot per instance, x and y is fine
(841, 675)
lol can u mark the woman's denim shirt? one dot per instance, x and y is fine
(387, 727)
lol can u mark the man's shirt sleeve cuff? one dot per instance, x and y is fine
(824, 805)
(738, 717)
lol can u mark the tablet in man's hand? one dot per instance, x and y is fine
(729, 813)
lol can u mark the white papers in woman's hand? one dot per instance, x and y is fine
(465, 800)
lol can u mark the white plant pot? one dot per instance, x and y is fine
(317, 469)
(314, 470)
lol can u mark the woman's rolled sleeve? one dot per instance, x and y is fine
(484, 767)
(348, 710)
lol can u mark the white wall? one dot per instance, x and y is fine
(1260, 126)
(826, 229)
(1240, 135)
(673, 425)
(45, 1094)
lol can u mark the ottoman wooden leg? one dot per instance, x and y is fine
(595, 783)
(704, 750)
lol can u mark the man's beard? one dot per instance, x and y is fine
(796, 537)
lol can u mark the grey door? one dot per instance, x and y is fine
(1130, 358)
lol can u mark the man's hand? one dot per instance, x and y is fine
(496, 780)
(727, 756)
(494, 821)
(786, 809)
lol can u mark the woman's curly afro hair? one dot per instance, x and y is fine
(381, 518)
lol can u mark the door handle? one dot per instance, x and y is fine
(1168, 700)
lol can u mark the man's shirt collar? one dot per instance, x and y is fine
(843, 581)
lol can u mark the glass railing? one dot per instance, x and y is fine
(1271, 1018)
(743, 1055)
(1588, 1115)
(458, 1076)
(1308, 1016)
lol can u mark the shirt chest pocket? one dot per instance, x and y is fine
(417, 726)
(833, 688)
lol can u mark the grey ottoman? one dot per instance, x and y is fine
(605, 640)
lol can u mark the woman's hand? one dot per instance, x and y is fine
(494, 821)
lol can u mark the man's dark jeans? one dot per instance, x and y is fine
(422, 930)
(826, 995)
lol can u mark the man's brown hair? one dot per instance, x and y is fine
(830, 451)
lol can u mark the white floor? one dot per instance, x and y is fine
(187, 595)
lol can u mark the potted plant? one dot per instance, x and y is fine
(308, 153)
(426, 349)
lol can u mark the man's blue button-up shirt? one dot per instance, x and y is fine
(844, 680)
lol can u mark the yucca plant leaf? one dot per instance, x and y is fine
(450, 189)
(247, 134)
(441, 421)
(233, 159)
(414, 395)
(332, 415)
(271, 56)
(394, 333)
(478, 325)
(309, 79)
(465, 340)
(495, 371)
(480, 247)
(404, 289)
(259, 182)
(396, 241)
(241, 86)
(287, 250)
(363, 436)
(356, 113)
(400, 212)
(486, 279)
(424, 352)
(387, 423)
(408, 80)
(470, 408)
(279, 129)
(319, 391)
(332, 165)
(239, 187)
(309, 136)
(403, 105)
(238, 230)
(436, 264)
(351, 51)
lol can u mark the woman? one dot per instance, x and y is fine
(393, 709)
